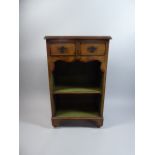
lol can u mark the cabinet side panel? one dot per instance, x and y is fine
(50, 79)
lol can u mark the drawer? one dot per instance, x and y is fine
(61, 49)
(93, 48)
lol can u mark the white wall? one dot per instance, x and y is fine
(77, 17)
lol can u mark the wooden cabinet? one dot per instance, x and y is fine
(77, 74)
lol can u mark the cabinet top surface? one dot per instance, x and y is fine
(77, 37)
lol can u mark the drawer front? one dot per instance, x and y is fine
(93, 48)
(61, 49)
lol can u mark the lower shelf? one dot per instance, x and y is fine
(75, 113)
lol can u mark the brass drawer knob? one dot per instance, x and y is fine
(91, 49)
(62, 49)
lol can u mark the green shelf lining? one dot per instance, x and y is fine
(76, 113)
(78, 90)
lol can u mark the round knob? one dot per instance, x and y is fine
(92, 49)
(62, 49)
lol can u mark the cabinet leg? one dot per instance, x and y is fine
(55, 123)
(99, 123)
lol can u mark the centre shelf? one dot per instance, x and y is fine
(76, 90)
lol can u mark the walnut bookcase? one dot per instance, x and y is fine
(77, 74)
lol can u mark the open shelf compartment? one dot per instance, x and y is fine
(77, 89)
(73, 105)
(77, 77)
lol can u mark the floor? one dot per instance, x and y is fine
(38, 137)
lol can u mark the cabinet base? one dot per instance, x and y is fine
(56, 122)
